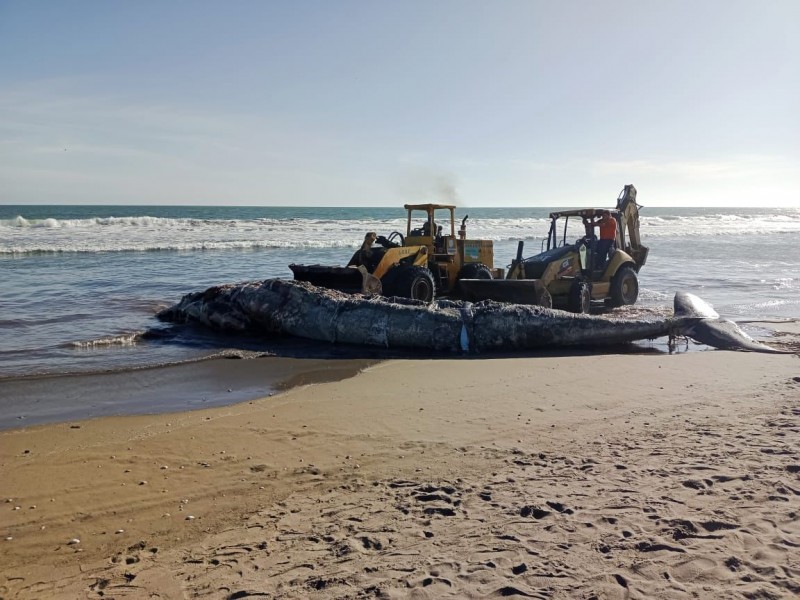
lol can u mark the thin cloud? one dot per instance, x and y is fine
(736, 167)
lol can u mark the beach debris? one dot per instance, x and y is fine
(119, 531)
(189, 518)
(533, 511)
(733, 563)
(558, 507)
(73, 541)
(9, 538)
(164, 467)
(143, 482)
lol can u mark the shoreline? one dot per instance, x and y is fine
(566, 475)
(191, 385)
(246, 375)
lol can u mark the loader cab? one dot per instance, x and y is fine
(451, 256)
(432, 225)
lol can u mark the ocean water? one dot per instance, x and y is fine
(81, 284)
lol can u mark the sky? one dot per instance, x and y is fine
(379, 103)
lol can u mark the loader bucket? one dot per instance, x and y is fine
(344, 279)
(516, 291)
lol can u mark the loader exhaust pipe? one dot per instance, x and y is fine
(515, 271)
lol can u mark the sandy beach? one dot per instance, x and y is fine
(574, 476)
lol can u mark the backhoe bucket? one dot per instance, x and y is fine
(352, 280)
(516, 291)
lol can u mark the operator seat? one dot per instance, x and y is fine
(438, 241)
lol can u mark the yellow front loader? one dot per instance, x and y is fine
(427, 262)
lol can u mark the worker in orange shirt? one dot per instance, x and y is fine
(608, 236)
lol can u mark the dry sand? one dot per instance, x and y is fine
(613, 476)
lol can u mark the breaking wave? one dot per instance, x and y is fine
(20, 235)
(125, 339)
(225, 228)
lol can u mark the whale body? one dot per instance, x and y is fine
(300, 309)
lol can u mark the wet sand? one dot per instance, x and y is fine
(186, 386)
(595, 476)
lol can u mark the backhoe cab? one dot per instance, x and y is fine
(428, 261)
(568, 274)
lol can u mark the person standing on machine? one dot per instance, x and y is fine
(608, 236)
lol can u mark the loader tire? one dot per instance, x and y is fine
(580, 299)
(413, 282)
(624, 287)
(474, 271)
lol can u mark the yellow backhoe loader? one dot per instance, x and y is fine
(571, 275)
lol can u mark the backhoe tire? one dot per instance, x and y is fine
(474, 271)
(624, 287)
(580, 299)
(413, 282)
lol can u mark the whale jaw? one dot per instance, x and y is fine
(725, 335)
(695, 318)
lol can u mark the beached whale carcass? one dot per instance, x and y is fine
(303, 310)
